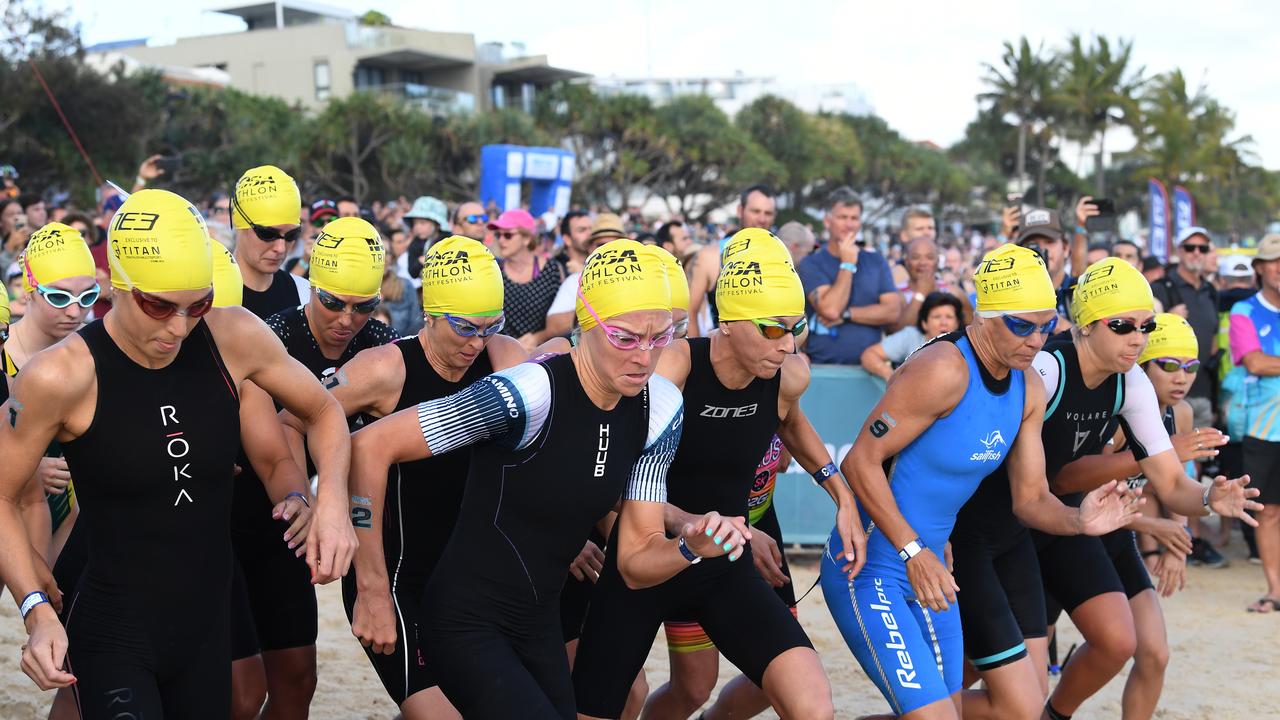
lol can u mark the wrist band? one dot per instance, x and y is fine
(688, 554)
(1080, 230)
(139, 180)
(32, 599)
(825, 472)
(298, 495)
(1205, 500)
(851, 267)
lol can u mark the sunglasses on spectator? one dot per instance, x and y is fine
(473, 219)
(266, 234)
(332, 303)
(624, 340)
(1197, 248)
(1121, 326)
(159, 309)
(1024, 328)
(61, 298)
(467, 329)
(774, 330)
(1171, 365)
(508, 234)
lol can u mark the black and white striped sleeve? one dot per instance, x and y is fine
(666, 419)
(509, 407)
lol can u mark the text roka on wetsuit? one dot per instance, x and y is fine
(152, 604)
(912, 654)
(753, 629)
(422, 503)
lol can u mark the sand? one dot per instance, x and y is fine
(1224, 662)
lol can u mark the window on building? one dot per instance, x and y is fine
(367, 76)
(322, 80)
(411, 77)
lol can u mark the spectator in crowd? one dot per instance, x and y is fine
(917, 223)
(1127, 251)
(17, 298)
(322, 211)
(850, 290)
(940, 313)
(529, 282)
(799, 240)
(757, 208)
(1098, 251)
(1255, 344)
(428, 222)
(1186, 292)
(218, 220)
(9, 182)
(33, 207)
(575, 237)
(13, 230)
(1152, 269)
(397, 240)
(347, 207)
(1041, 230)
(470, 220)
(923, 278)
(404, 311)
(607, 226)
(673, 236)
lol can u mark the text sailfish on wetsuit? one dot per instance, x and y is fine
(178, 448)
(992, 442)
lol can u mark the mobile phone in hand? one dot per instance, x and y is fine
(1105, 220)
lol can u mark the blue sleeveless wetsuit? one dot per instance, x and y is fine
(914, 655)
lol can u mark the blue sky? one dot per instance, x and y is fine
(919, 63)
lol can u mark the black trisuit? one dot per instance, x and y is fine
(739, 611)
(148, 624)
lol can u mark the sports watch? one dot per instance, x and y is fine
(912, 549)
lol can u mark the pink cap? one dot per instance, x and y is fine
(513, 219)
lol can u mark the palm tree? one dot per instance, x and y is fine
(1018, 88)
(1098, 89)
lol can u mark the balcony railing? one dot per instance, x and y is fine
(428, 98)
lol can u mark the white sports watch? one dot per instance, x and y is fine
(912, 549)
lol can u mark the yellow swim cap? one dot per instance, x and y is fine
(267, 196)
(4, 304)
(622, 276)
(55, 252)
(1013, 279)
(1173, 337)
(228, 284)
(676, 281)
(347, 258)
(159, 243)
(1109, 287)
(461, 277)
(757, 279)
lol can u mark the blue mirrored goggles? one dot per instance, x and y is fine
(466, 329)
(1024, 328)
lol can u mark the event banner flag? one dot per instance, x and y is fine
(1184, 210)
(1158, 242)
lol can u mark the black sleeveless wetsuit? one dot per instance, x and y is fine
(549, 465)
(148, 624)
(756, 626)
(422, 502)
(275, 605)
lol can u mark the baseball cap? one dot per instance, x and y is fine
(323, 209)
(1040, 222)
(607, 227)
(511, 219)
(1268, 247)
(1191, 232)
(1236, 266)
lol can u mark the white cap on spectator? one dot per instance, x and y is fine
(1236, 266)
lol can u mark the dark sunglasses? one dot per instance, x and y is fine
(1024, 328)
(508, 234)
(466, 329)
(1197, 248)
(158, 309)
(333, 304)
(1171, 365)
(61, 298)
(473, 219)
(776, 330)
(1120, 326)
(266, 234)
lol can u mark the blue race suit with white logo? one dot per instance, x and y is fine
(914, 655)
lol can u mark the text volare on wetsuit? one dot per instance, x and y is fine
(906, 673)
(177, 448)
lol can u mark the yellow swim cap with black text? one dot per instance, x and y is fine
(265, 196)
(158, 243)
(55, 252)
(621, 276)
(757, 279)
(1013, 279)
(348, 258)
(1108, 288)
(461, 277)
(228, 283)
(1173, 338)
